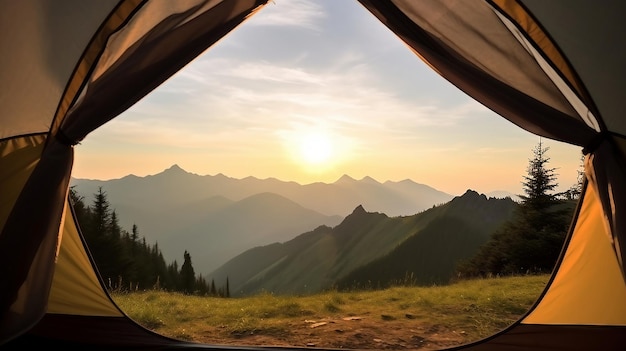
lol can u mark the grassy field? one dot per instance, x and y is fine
(395, 318)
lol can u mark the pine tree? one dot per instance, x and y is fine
(213, 290)
(135, 236)
(97, 236)
(78, 204)
(540, 181)
(187, 275)
(173, 276)
(532, 240)
(101, 213)
(114, 227)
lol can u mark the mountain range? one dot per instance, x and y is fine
(371, 249)
(217, 217)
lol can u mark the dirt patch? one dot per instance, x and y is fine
(345, 333)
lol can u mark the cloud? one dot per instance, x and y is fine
(264, 71)
(216, 96)
(290, 13)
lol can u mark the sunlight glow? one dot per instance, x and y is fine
(316, 148)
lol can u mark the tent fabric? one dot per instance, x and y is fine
(530, 61)
(606, 170)
(566, 300)
(455, 38)
(76, 288)
(460, 41)
(146, 47)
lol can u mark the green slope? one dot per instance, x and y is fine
(433, 240)
(430, 256)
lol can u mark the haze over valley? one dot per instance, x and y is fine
(216, 218)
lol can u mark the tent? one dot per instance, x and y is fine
(554, 68)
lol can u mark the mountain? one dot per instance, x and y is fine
(430, 256)
(364, 241)
(215, 216)
(338, 198)
(218, 235)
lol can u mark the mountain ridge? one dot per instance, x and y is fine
(154, 202)
(321, 258)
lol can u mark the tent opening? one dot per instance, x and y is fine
(303, 170)
(307, 182)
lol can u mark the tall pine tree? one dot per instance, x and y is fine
(532, 240)
(187, 275)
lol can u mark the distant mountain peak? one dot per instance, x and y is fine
(345, 178)
(370, 180)
(175, 169)
(470, 192)
(473, 194)
(358, 210)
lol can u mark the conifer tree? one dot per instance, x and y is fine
(540, 181)
(201, 286)
(187, 275)
(532, 240)
(213, 289)
(173, 276)
(97, 234)
(101, 213)
(78, 204)
(134, 237)
(114, 226)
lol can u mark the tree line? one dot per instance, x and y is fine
(126, 262)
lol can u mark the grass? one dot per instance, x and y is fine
(477, 307)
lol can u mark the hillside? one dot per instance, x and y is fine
(318, 259)
(431, 255)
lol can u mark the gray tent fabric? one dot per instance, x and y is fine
(161, 50)
(543, 114)
(530, 61)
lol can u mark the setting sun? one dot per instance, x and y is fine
(316, 148)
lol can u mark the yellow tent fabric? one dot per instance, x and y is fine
(568, 298)
(76, 288)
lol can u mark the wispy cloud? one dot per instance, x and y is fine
(265, 71)
(292, 13)
(216, 96)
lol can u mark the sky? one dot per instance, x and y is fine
(310, 90)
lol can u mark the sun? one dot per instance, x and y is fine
(316, 151)
(315, 148)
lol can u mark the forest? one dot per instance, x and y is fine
(126, 262)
